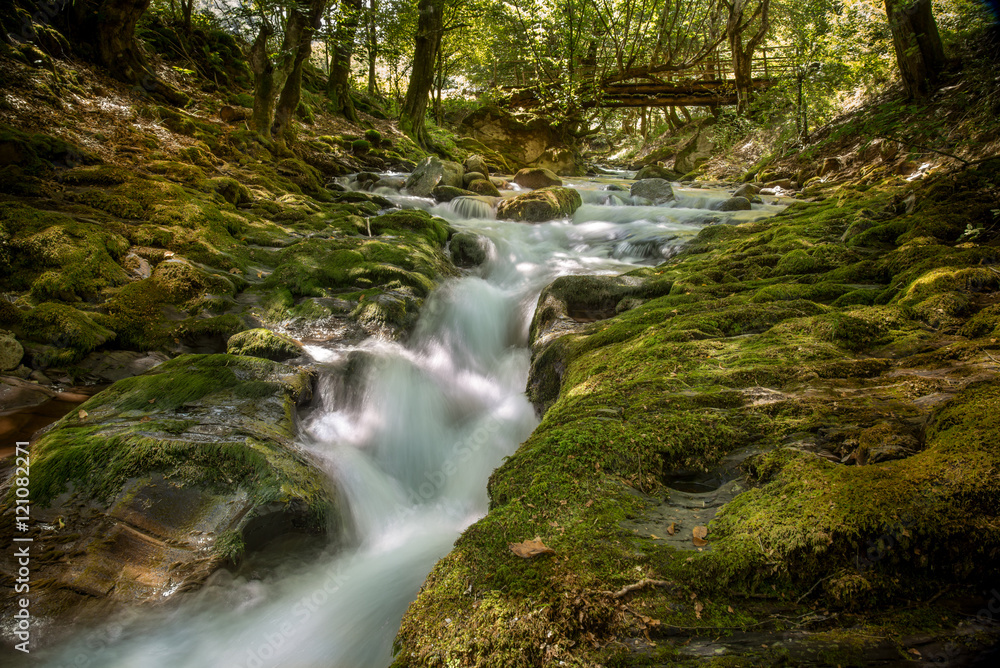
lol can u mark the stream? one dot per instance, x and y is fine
(409, 433)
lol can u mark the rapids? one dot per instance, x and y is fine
(409, 434)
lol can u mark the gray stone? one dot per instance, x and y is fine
(453, 174)
(736, 204)
(118, 364)
(11, 351)
(747, 190)
(657, 191)
(427, 174)
(477, 163)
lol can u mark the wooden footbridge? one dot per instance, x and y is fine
(713, 84)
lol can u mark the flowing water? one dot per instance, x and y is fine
(409, 434)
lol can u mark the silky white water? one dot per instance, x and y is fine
(409, 438)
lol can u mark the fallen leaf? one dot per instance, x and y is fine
(698, 536)
(82, 414)
(654, 536)
(672, 529)
(530, 548)
(698, 607)
(729, 609)
(588, 504)
(152, 401)
(145, 418)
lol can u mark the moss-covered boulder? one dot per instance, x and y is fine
(484, 187)
(536, 177)
(66, 328)
(448, 193)
(540, 205)
(477, 163)
(469, 249)
(11, 351)
(657, 172)
(264, 343)
(428, 173)
(157, 481)
(735, 204)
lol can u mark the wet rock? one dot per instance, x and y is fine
(657, 191)
(426, 175)
(472, 176)
(264, 343)
(11, 351)
(16, 393)
(500, 183)
(536, 177)
(448, 193)
(391, 182)
(186, 467)
(477, 163)
(736, 204)
(570, 300)
(453, 174)
(118, 364)
(657, 172)
(748, 190)
(469, 249)
(540, 205)
(138, 266)
(484, 187)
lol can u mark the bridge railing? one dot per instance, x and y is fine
(769, 62)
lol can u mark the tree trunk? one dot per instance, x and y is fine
(265, 86)
(429, 25)
(338, 86)
(372, 48)
(739, 21)
(104, 31)
(303, 22)
(915, 38)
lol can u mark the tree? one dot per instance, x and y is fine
(427, 43)
(338, 85)
(740, 21)
(917, 43)
(303, 21)
(104, 32)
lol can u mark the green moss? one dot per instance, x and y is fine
(65, 327)
(432, 228)
(264, 343)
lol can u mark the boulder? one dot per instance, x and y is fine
(469, 249)
(524, 141)
(472, 176)
(448, 193)
(477, 163)
(501, 184)
(540, 205)
(736, 204)
(747, 190)
(536, 177)
(391, 183)
(161, 479)
(264, 343)
(657, 172)
(115, 365)
(453, 174)
(484, 187)
(427, 174)
(11, 351)
(697, 150)
(657, 191)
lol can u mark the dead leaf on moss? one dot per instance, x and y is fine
(698, 536)
(82, 414)
(698, 607)
(530, 548)
(672, 529)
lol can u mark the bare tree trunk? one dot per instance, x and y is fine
(303, 22)
(427, 42)
(917, 43)
(338, 86)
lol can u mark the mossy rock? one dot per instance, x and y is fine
(540, 205)
(536, 177)
(264, 343)
(65, 327)
(431, 227)
(232, 190)
(181, 470)
(448, 193)
(11, 351)
(484, 187)
(469, 249)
